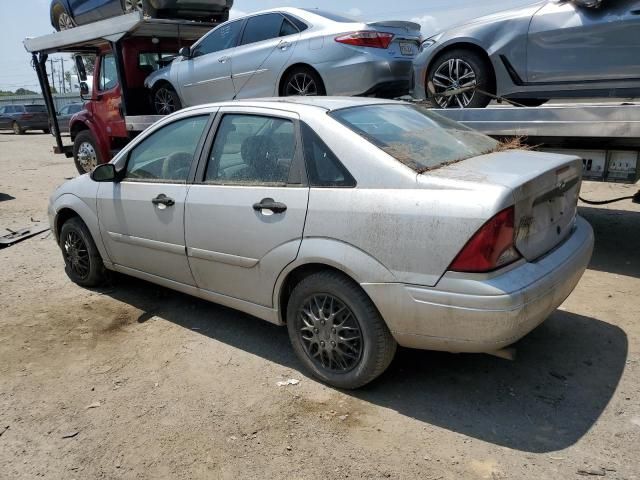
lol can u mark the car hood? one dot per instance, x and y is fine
(527, 11)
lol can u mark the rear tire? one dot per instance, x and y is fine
(61, 18)
(143, 6)
(86, 154)
(302, 81)
(460, 68)
(337, 332)
(165, 100)
(17, 129)
(83, 263)
(46, 130)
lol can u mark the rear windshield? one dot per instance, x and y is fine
(75, 108)
(330, 16)
(35, 108)
(414, 135)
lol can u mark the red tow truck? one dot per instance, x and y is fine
(125, 50)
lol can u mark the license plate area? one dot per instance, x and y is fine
(407, 48)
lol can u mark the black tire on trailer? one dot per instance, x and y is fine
(459, 68)
(165, 99)
(86, 154)
(145, 6)
(337, 332)
(82, 260)
(530, 102)
(17, 129)
(301, 81)
(62, 20)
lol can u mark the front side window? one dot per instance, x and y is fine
(252, 150)
(166, 155)
(223, 37)
(413, 135)
(265, 27)
(108, 73)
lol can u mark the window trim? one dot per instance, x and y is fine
(197, 154)
(297, 171)
(246, 23)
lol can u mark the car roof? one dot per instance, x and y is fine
(325, 103)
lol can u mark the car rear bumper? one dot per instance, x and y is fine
(484, 312)
(367, 76)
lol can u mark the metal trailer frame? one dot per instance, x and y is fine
(88, 38)
(605, 135)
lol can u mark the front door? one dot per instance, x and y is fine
(245, 217)
(206, 76)
(267, 44)
(142, 217)
(568, 42)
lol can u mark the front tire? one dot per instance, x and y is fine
(457, 70)
(337, 332)
(166, 100)
(302, 81)
(86, 154)
(17, 129)
(61, 18)
(83, 263)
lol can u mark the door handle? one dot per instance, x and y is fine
(163, 201)
(284, 45)
(223, 59)
(269, 204)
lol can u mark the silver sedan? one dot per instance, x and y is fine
(289, 51)
(360, 224)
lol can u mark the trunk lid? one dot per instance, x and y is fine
(406, 40)
(544, 187)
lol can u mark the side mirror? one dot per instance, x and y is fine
(185, 52)
(84, 91)
(104, 173)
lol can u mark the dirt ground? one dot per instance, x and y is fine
(136, 381)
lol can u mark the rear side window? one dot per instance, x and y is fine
(166, 155)
(36, 108)
(223, 37)
(323, 167)
(300, 25)
(263, 27)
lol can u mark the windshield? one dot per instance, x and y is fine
(413, 135)
(35, 108)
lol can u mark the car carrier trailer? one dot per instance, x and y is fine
(117, 108)
(605, 135)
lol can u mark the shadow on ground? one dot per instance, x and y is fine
(565, 374)
(617, 234)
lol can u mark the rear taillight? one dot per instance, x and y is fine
(366, 39)
(491, 247)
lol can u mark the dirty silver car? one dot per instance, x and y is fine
(550, 49)
(361, 224)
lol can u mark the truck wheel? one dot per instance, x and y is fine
(17, 129)
(61, 18)
(337, 332)
(166, 100)
(459, 69)
(82, 261)
(86, 154)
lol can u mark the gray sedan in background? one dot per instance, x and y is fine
(21, 118)
(551, 49)
(64, 116)
(289, 51)
(359, 223)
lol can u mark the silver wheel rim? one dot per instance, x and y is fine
(65, 22)
(164, 102)
(330, 333)
(454, 75)
(76, 254)
(87, 157)
(133, 6)
(16, 128)
(301, 84)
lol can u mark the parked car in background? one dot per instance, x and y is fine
(64, 116)
(289, 51)
(551, 49)
(21, 118)
(67, 14)
(359, 223)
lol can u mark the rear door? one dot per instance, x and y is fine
(142, 217)
(245, 217)
(206, 76)
(268, 41)
(567, 42)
